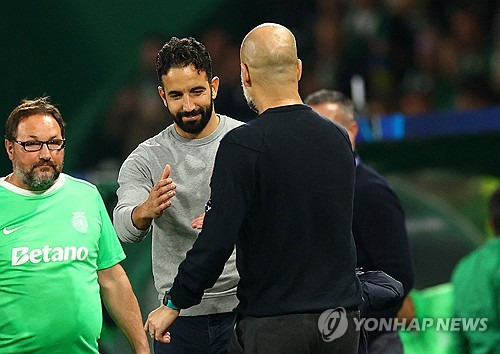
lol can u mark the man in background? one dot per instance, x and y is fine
(476, 281)
(163, 188)
(59, 253)
(378, 220)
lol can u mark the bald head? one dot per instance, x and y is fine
(270, 53)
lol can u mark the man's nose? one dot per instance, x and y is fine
(44, 152)
(187, 104)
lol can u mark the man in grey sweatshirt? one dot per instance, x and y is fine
(163, 188)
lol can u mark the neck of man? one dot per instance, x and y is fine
(273, 97)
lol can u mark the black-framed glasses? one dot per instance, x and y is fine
(35, 145)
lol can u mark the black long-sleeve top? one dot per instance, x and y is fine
(282, 191)
(380, 234)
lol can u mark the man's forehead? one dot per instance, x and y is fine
(182, 76)
(38, 124)
(332, 111)
(327, 107)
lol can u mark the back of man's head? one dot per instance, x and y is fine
(335, 97)
(270, 53)
(494, 206)
(179, 53)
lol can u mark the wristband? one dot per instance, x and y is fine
(167, 301)
(172, 306)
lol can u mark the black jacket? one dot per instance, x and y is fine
(282, 191)
(380, 234)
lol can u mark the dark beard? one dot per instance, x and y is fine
(36, 182)
(193, 127)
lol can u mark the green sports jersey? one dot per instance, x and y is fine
(51, 246)
(476, 279)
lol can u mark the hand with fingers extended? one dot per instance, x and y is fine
(198, 222)
(158, 200)
(159, 321)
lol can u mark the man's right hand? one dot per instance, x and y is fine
(158, 200)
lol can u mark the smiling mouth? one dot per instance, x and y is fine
(191, 118)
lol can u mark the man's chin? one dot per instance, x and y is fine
(43, 182)
(43, 178)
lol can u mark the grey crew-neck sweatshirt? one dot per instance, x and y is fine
(191, 162)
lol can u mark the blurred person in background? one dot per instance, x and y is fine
(225, 55)
(476, 281)
(136, 114)
(378, 220)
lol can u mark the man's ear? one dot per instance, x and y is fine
(245, 75)
(299, 69)
(163, 96)
(214, 86)
(353, 128)
(9, 147)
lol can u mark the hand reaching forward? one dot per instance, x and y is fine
(159, 321)
(198, 222)
(158, 200)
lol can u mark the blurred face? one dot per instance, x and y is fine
(35, 170)
(336, 114)
(189, 96)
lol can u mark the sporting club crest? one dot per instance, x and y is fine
(79, 222)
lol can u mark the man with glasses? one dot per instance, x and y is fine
(59, 253)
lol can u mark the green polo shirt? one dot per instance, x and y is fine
(51, 246)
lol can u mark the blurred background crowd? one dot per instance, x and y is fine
(408, 56)
(421, 59)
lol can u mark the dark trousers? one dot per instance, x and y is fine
(290, 334)
(387, 343)
(198, 334)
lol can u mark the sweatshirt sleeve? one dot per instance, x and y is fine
(232, 187)
(134, 184)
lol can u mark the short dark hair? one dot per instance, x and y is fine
(179, 53)
(494, 206)
(40, 105)
(331, 96)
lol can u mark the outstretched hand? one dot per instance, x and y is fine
(158, 200)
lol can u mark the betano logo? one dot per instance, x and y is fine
(22, 255)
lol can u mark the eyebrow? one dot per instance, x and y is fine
(190, 90)
(36, 137)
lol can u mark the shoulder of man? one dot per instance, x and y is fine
(367, 176)
(367, 172)
(230, 123)
(245, 135)
(82, 185)
(79, 181)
